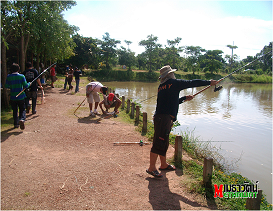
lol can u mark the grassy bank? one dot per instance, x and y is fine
(145, 76)
(193, 168)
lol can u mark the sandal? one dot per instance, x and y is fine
(155, 173)
(169, 167)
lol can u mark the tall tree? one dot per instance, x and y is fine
(108, 47)
(172, 52)
(128, 43)
(151, 50)
(194, 53)
(21, 24)
(126, 57)
(212, 61)
(36, 20)
(6, 31)
(231, 47)
(86, 52)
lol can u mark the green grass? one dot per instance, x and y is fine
(6, 119)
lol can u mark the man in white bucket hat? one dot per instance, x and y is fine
(166, 113)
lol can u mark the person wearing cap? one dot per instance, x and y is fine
(111, 101)
(166, 113)
(92, 90)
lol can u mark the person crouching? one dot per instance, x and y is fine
(111, 101)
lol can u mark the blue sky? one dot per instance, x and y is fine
(211, 24)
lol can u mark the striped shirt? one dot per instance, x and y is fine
(16, 83)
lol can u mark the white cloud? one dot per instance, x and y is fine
(198, 26)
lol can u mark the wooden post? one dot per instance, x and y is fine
(128, 106)
(137, 115)
(178, 149)
(144, 128)
(123, 102)
(132, 110)
(110, 90)
(254, 203)
(207, 170)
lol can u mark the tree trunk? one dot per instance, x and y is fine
(22, 53)
(38, 62)
(4, 73)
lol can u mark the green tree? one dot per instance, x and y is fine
(126, 57)
(128, 43)
(151, 50)
(6, 34)
(141, 61)
(86, 53)
(24, 23)
(193, 52)
(41, 24)
(108, 47)
(231, 59)
(265, 62)
(172, 52)
(212, 61)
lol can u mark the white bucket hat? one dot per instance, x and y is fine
(164, 71)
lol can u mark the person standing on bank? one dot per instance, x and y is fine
(30, 73)
(53, 75)
(16, 83)
(77, 73)
(70, 77)
(166, 113)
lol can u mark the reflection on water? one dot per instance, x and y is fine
(238, 119)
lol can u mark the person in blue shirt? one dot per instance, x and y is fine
(16, 83)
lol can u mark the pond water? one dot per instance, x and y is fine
(237, 120)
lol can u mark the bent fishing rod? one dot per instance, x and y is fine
(36, 78)
(220, 87)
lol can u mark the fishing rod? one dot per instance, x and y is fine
(36, 78)
(220, 87)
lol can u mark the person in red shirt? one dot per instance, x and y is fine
(53, 75)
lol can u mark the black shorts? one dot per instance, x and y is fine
(162, 128)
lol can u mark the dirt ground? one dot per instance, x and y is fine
(67, 162)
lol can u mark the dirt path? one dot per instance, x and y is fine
(62, 162)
